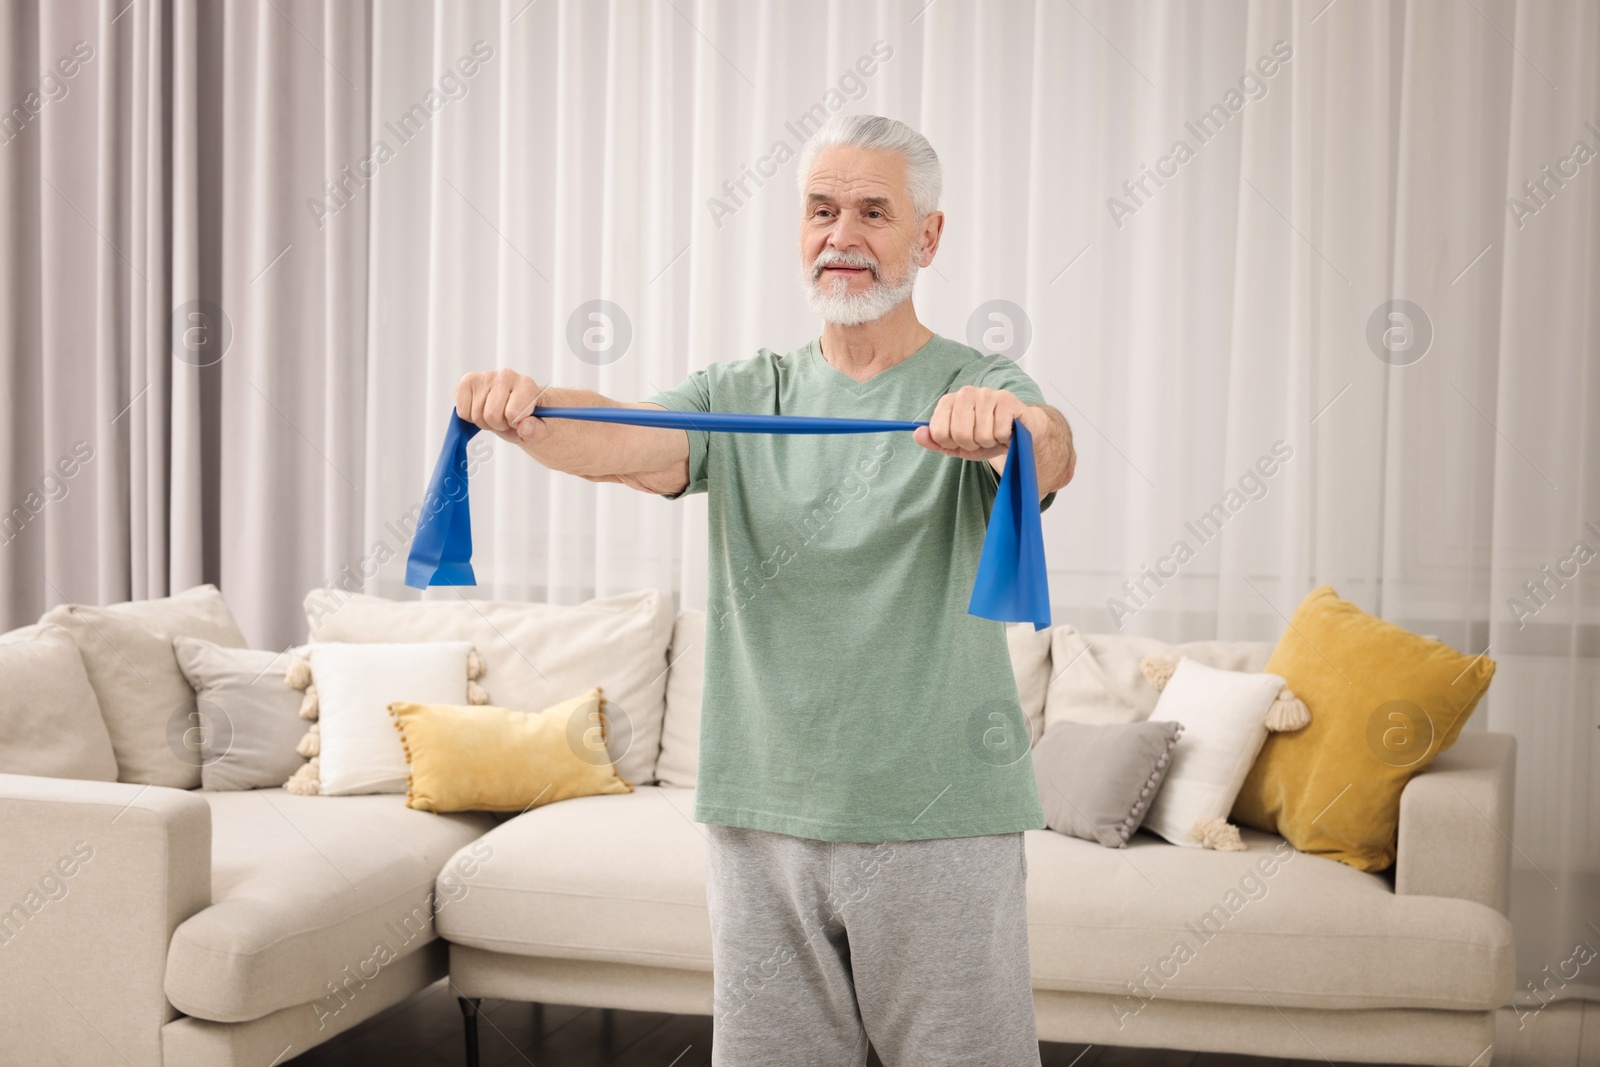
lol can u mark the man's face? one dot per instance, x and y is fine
(860, 241)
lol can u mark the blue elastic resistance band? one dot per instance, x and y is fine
(1011, 584)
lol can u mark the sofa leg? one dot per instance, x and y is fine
(608, 1033)
(469, 1019)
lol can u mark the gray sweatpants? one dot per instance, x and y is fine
(921, 946)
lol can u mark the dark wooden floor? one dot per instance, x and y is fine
(426, 1031)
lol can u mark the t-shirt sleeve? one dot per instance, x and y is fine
(1005, 374)
(694, 394)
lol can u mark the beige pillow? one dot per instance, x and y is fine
(536, 654)
(1096, 677)
(680, 731)
(144, 698)
(50, 722)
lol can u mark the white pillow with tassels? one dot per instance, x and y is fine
(352, 744)
(1225, 722)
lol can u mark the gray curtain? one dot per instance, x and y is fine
(184, 344)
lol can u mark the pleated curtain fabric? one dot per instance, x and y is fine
(1191, 223)
(185, 348)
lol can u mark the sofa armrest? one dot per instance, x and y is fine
(1455, 823)
(94, 877)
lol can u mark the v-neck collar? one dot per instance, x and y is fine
(859, 387)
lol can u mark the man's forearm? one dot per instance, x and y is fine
(649, 458)
(599, 450)
(1054, 458)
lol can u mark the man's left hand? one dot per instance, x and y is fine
(975, 423)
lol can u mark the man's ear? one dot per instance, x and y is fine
(932, 230)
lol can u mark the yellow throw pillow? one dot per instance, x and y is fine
(495, 759)
(1383, 702)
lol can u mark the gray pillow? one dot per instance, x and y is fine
(50, 722)
(1096, 781)
(247, 719)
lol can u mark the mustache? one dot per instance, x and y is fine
(843, 259)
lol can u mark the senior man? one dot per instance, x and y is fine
(865, 871)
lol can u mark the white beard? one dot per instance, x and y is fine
(831, 303)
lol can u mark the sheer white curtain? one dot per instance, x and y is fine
(1339, 156)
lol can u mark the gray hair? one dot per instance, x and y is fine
(924, 177)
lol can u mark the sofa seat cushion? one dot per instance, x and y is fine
(1266, 925)
(622, 879)
(616, 878)
(311, 896)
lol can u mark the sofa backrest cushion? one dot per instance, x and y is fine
(680, 732)
(144, 698)
(50, 722)
(537, 655)
(1030, 665)
(680, 735)
(1097, 679)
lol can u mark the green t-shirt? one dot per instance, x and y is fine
(848, 694)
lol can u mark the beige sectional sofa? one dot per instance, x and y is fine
(218, 928)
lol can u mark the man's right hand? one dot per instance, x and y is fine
(499, 401)
(650, 459)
